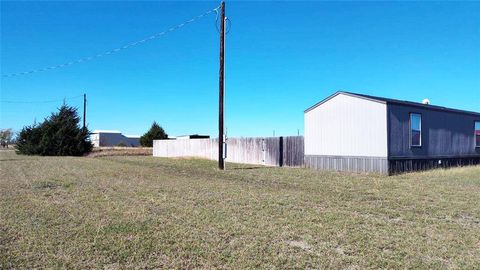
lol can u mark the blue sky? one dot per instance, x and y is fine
(281, 58)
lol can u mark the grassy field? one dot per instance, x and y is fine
(146, 212)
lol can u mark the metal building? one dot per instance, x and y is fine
(361, 133)
(190, 136)
(113, 138)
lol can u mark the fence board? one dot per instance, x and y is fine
(271, 151)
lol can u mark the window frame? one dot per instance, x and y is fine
(475, 133)
(410, 129)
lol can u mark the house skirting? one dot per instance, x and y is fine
(385, 165)
(347, 163)
(400, 165)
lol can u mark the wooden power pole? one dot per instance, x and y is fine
(221, 161)
(84, 110)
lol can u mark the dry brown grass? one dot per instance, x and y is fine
(145, 212)
(120, 151)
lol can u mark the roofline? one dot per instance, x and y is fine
(105, 131)
(338, 93)
(192, 135)
(393, 101)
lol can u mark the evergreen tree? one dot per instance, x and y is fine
(156, 132)
(28, 141)
(58, 135)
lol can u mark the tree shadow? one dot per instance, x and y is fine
(247, 168)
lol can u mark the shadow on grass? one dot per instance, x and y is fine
(246, 168)
(11, 159)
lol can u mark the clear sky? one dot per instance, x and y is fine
(281, 58)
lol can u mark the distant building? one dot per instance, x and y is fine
(113, 138)
(192, 136)
(355, 132)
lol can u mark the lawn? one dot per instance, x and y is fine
(143, 212)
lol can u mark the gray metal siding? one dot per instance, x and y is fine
(111, 139)
(347, 163)
(114, 139)
(444, 134)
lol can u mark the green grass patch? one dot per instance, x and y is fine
(144, 212)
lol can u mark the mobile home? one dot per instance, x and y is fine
(361, 133)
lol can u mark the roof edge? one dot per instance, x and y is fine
(344, 93)
(105, 131)
(394, 101)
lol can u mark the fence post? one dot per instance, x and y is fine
(280, 162)
(264, 151)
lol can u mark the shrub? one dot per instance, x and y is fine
(122, 144)
(58, 135)
(156, 132)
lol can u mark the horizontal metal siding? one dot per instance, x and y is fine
(444, 134)
(347, 163)
(347, 126)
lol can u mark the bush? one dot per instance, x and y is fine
(58, 135)
(156, 132)
(122, 144)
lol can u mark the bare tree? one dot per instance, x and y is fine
(6, 137)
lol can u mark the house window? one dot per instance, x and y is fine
(415, 129)
(477, 133)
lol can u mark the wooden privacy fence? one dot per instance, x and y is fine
(272, 151)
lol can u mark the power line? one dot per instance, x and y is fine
(228, 26)
(127, 46)
(43, 101)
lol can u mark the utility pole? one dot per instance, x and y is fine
(84, 110)
(221, 162)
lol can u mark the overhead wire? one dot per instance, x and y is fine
(109, 52)
(43, 101)
(228, 25)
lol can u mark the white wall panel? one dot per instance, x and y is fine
(347, 126)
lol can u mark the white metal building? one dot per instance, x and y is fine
(361, 133)
(344, 132)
